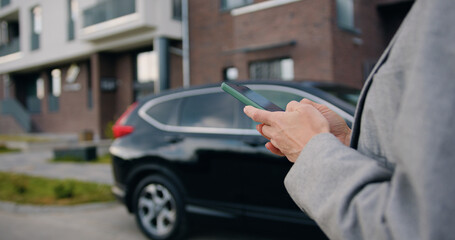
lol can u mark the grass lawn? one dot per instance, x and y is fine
(21, 138)
(105, 159)
(25, 189)
(4, 149)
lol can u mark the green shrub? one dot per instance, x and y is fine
(108, 133)
(64, 189)
(25, 189)
(20, 184)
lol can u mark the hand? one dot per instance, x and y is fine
(338, 126)
(291, 130)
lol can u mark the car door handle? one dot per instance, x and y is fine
(173, 139)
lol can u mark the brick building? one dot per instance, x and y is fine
(73, 65)
(323, 40)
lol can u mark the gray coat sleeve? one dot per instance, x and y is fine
(351, 196)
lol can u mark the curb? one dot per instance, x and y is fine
(12, 207)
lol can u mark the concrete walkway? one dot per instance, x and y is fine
(37, 163)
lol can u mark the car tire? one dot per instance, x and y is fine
(159, 209)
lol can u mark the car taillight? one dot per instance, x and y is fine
(120, 129)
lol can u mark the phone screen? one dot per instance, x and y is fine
(249, 97)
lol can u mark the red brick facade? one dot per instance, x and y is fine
(305, 31)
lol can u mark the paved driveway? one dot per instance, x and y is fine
(112, 222)
(105, 221)
(37, 163)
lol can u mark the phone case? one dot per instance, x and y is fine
(239, 96)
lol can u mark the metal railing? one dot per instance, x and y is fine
(9, 48)
(71, 30)
(35, 41)
(108, 10)
(4, 3)
(17, 111)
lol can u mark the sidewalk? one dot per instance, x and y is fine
(37, 163)
(49, 141)
(37, 150)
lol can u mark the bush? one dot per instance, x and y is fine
(20, 184)
(108, 133)
(64, 190)
(35, 190)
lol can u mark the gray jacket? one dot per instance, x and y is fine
(398, 180)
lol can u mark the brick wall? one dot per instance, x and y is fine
(73, 114)
(322, 51)
(220, 40)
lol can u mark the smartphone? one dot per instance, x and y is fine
(249, 97)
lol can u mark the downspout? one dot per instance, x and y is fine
(186, 45)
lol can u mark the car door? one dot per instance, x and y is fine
(211, 141)
(265, 194)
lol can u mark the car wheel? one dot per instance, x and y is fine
(159, 209)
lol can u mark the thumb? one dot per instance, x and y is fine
(319, 107)
(258, 115)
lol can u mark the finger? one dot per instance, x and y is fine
(259, 128)
(320, 107)
(273, 149)
(258, 115)
(267, 131)
(292, 106)
(307, 101)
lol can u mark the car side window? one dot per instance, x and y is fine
(214, 110)
(165, 112)
(280, 98)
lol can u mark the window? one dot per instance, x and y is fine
(56, 82)
(73, 8)
(215, 110)
(345, 14)
(36, 27)
(282, 69)
(55, 89)
(9, 37)
(4, 33)
(230, 73)
(6, 86)
(177, 9)
(40, 88)
(146, 74)
(163, 112)
(230, 4)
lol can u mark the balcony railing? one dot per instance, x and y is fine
(4, 3)
(9, 48)
(108, 10)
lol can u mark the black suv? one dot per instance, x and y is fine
(194, 151)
